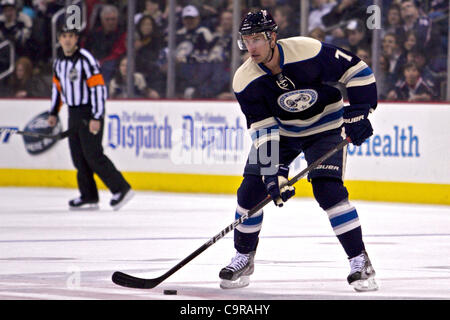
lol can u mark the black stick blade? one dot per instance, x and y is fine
(125, 280)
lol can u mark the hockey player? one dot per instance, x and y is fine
(289, 109)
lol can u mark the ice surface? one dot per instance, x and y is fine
(49, 252)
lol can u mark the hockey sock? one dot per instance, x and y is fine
(333, 198)
(246, 234)
(345, 222)
(250, 193)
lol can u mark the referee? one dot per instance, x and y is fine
(77, 82)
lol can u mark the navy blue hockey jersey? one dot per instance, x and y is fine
(298, 102)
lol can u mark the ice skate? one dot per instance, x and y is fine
(237, 273)
(362, 274)
(119, 199)
(81, 204)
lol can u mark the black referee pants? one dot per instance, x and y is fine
(88, 157)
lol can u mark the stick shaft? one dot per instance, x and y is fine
(129, 281)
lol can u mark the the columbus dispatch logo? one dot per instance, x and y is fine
(297, 100)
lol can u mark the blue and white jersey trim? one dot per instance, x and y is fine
(358, 75)
(263, 131)
(330, 118)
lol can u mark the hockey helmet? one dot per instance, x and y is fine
(256, 22)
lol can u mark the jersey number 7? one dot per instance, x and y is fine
(339, 53)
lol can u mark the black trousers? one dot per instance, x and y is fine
(88, 157)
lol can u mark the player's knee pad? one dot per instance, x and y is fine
(251, 192)
(329, 191)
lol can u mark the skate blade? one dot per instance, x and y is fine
(241, 282)
(365, 285)
(124, 201)
(88, 207)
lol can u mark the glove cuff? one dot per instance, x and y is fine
(357, 109)
(283, 171)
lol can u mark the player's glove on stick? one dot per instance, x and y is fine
(277, 187)
(357, 125)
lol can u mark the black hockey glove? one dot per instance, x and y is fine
(357, 125)
(277, 187)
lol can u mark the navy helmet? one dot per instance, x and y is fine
(256, 22)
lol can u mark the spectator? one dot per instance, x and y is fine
(41, 40)
(153, 9)
(107, 42)
(345, 10)
(394, 20)
(118, 84)
(385, 80)
(209, 11)
(283, 17)
(15, 26)
(192, 52)
(419, 57)
(317, 33)
(392, 51)
(220, 60)
(357, 35)
(229, 4)
(365, 54)
(413, 20)
(410, 41)
(438, 8)
(320, 8)
(412, 88)
(148, 47)
(22, 83)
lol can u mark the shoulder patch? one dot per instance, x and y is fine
(245, 74)
(299, 48)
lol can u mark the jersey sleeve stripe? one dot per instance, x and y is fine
(367, 71)
(353, 71)
(363, 81)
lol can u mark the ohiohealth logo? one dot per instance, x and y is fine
(297, 100)
(400, 143)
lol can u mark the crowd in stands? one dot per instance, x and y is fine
(412, 63)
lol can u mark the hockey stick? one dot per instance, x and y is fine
(126, 280)
(58, 136)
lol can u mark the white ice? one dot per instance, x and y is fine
(49, 252)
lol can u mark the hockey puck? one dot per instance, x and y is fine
(172, 292)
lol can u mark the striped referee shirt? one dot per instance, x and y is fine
(77, 82)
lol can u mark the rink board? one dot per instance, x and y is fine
(201, 146)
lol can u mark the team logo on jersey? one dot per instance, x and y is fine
(73, 74)
(284, 82)
(298, 100)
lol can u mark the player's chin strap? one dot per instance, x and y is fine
(271, 56)
(272, 49)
